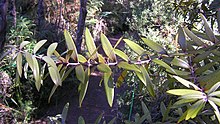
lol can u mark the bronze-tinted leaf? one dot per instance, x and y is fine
(39, 45)
(19, 63)
(107, 47)
(121, 78)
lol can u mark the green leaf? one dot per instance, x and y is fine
(214, 88)
(67, 74)
(154, 46)
(64, 113)
(194, 38)
(121, 78)
(208, 30)
(68, 55)
(101, 59)
(183, 101)
(210, 79)
(23, 44)
(163, 64)
(90, 44)
(146, 112)
(182, 117)
(39, 45)
(181, 39)
(71, 45)
(216, 111)
(181, 92)
(121, 54)
(81, 58)
(49, 61)
(194, 109)
(98, 120)
(51, 49)
(107, 47)
(193, 96)
(201, 57)
(112, 121)
(36, 73)
(119, 40)
(84, 86)
(179, 62)
(179, 72)
(81, 120)
(186, 83)
(55, 75)
(104, 68)
(204, 68)
(52, 92)
(109, 88)
(215, 100)
(29, 60)
(216, 93)
(80, 73)
(163, 108)
(139, 50)
(19, 63)
(127, 66)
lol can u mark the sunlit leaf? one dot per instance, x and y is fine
(19, 63)
(216, 93)
(179, 72)
(186, 83)
(49, 61)
(216, 111)
(90, 44)
(55, 75)
(80, 73)
(84, 86)
(192, 36)
(181, 39)
(146, 112)
(163, 64)
(181, 92)
(215, 100)
(179, 62)
(81, 58)
(214, 88)
(121, 54)
(154, 46)
(194, 109)
(101, 59)
(127, 66)
(208, 30)
(138, 49)
(39, 45)
(36, 73)
(71, 45)
(107, 47)
(109, 88)
(51, 49)
(29, 60)
(23, 44)
(182, 117)
(119, 40)
(104, 68)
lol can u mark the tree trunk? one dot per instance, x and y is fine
(40, 14)
(81, 24)
(3, 23)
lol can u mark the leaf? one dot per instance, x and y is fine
(19, 63)
(52, 92)
(84, 86)
(51, 49)
(90, 44)
(146, 112)
(181, 92)
(194, 109)
(67, 74)
(55, 75)
(163, 64)
(104, 68)
(109, 88)
(71, 45)
(139, 50)
(81, 120)
(204, 68)
(49, 61)
(183, 101)
(181, 39)
(101, 59)
(192, 36)
(68, 55)
(64, 113)
(36, 73)
(81, 58)
(127, 66)
(208, 30)
(162, 108)
(210, 79)
(23, 44)
(179, 72)
(216, 93)
(121, 78)
(107, 47)
(154, 46)
(80, 73)
(214, 88)
(201, 57)
(25, 70)
(39, 45)
(186, 83)
(112, 121)
(182, 117)
(121, 54)
(29, 60)
(179, 62)
(119, 40)
(98, 120)
(216, 111)
(215, 100)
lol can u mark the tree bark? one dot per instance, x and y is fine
(13, 12)
(3, 23)
(81, 24)
(40, 14)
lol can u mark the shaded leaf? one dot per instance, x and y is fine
(146, 112)
(84, 86)
(98, 120)
(186, 83)
(154, 46)
(112, 121)
(201, 57)
(183, 101)
(179, 62)
(104, 68)
(204, 68)
(181, 39)
(23, 44)
(71, 45)
(80, 73)
(121, 78)
(138, 49)
(163, 108)
(64, 113)
(107, 47)
(19, 63)
(67, 74)
(121, 54)
(194, 38)
(52, 92)
(90, 44)
(39, 45)
(51, 49)
(81, 120)
(210, 79)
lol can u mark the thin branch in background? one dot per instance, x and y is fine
(13, 12)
